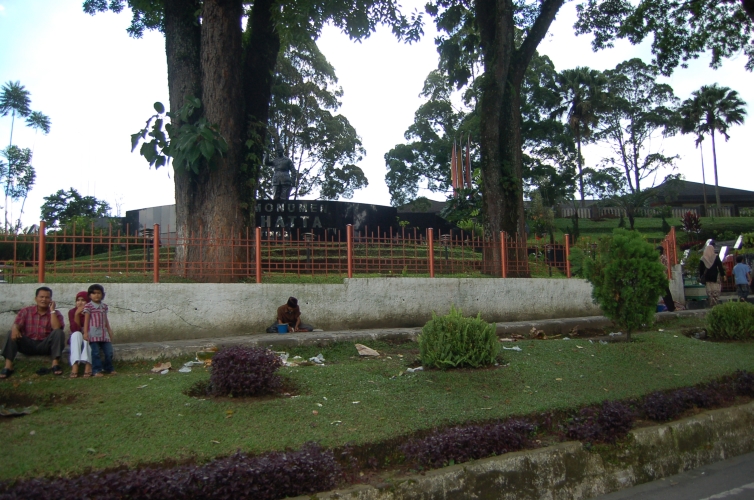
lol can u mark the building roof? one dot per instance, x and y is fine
(693, 193)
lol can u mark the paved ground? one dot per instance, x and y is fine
(154, 350)
(732, 479)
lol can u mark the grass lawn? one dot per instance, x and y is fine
(137, 417)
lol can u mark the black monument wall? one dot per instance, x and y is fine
(279, 218)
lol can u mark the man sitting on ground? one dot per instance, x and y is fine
(38, 330)
(290, 314)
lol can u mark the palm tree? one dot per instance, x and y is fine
(691, 116)
(15, 100)
(581, 92)
(719, 109)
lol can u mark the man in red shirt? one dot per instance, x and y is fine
(38, 330)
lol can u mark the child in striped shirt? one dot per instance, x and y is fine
(97, 331)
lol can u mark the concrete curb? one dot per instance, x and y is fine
(175, 348)
(568, 471)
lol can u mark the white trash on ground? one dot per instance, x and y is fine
(366, 351)
(185, 369)
(319, 359)
(516, 348)
(417, 369)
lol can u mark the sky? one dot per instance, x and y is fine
(98, 86)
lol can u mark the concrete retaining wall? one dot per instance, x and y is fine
(568, 471)
(167, 311)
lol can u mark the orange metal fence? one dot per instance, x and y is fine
(254, 253)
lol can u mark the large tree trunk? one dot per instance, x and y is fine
(259, 63)
(182, 48)
(214, 194)
(496, 29)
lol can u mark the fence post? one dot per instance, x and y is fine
(42, 252)
(349, 249)
(156, 252)
(503, 256)
(567, 239)
(666, 251)
(431, 251)
(258, 253)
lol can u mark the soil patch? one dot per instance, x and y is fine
(18, 400)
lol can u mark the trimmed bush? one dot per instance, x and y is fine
(244, 371)
(731, 321)
(627, 279)
(471, 442)
(238, 477)
(455, 341)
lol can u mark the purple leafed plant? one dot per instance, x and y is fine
(464, 443)
(238, 477)
(245, 371)
(604, 424)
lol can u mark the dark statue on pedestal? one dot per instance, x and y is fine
(284, 176)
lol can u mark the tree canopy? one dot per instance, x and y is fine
(681, 31)
(64, 206)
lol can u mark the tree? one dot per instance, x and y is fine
(322, 145)
(638, 109)
(18, 174)
(63, 206)
(681, 31)
(224, 53)
(16, 100)
(627, 279)
(713, 109)
(690, 114)
(581, 90)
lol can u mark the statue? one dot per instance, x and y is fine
(284, 176)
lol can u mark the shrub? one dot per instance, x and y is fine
(464, 443)
(661, 406)
(627, 279)
(743, 381)
(454, 341)
(265, 477)
(605, 424)
(244, 371)
(691, 223)
(732, 320)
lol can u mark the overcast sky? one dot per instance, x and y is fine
(97, 85)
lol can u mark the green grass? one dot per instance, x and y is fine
(101, 414)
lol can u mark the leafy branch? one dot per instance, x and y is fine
(187, 145)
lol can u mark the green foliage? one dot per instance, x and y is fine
(627, 279)
(455, 341)
(542, 218)
(681, 31)
(188, 145)
(577, 262)
(323, 145)
(16, 172)
(65, 206)
(748, 240)
(731, 321)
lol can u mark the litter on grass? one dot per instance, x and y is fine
(616, 334)
(160, 367)
(417, 369)
(165, 371)
(185, 369)
(366, 351)
(515, 348)
(319, 359)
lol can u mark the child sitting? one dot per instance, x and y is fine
(80, 350)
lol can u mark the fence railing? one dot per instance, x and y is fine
(253, 253)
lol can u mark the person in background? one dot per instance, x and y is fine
(97, 331)
(81, 351)
(290, 314)
(710, 271)
(742, 274)
(37, 330)
(668, 298)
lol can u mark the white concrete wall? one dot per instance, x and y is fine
(154, 312)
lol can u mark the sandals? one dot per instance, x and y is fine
(5, 373)
(87, 374)
(57, 370)
(74, 375)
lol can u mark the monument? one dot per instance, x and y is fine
(284, 176)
